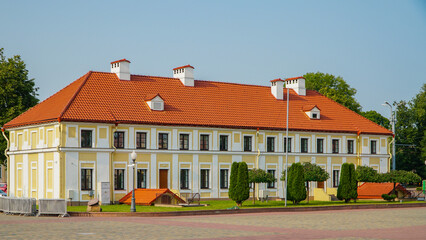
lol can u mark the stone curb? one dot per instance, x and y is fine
(244, 210)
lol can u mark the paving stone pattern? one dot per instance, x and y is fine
(348, 224)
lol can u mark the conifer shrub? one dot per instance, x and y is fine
(347, 189)
(233, 180)
(296, 183)
(242, 191)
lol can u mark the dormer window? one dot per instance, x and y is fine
(312, 111)
(155, 102)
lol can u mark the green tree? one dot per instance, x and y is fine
(17, 92)
(334, 88)
(233, 180)
(296, 190)
(400, 176)
(242, 190)
(411, 134)
(313, 173)
(354, 182)
(347, 188)
(259, 176)
(366, 174)
(377, 118)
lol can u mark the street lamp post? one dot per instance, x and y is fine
(133, 205)
(393, 122)
(286, 147)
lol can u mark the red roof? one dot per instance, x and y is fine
(147, 196)
(277, 80)
(102, 97)
(152, 96)
(121, 60)
(183, 67)
(309, 107)
(294, 78)
(375, 190)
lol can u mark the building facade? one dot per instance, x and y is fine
(186, 134)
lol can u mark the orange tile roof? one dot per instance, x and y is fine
(183, 67)
(294, 78)
(277, 80)
(147, 196)
(375, 190)
(152, 96)
(309, 107)
(102, 97)
(121, 60)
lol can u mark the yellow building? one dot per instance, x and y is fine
(186, 133)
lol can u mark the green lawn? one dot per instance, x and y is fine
(225, 204)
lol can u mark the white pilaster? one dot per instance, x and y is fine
(25, 187)
(153, 173)
(175, 173)
(195, 173)
(72, 174)
(175, 139)
(215, 179)
(153, 139)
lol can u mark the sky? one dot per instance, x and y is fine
(378, 47)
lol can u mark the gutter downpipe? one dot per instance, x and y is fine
(390, 153)
(358, 146)
(7, 158)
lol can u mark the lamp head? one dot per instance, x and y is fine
(133, 155)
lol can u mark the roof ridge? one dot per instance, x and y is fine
(87, 75)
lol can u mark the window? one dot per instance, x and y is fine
(86, 179)
(373, 146)
(119, 139)
(204, 142)
(289, 145)
(205, 178)
(335, 145)
(314, 115)
(141, 140)
(141, 175)
(86, 138)
(184, 179)
(224, 178)
(271, 184)
(350, 146)
(304, 145)
(336, 176)
(247, 143)
(320, 145)
(184, 141)
(118, 179)
(163, 141)
(270, 144)
(223, 143)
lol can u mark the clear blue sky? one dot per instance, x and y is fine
(378, 47)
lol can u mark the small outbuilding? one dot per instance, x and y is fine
(148, 197)
(375, 190)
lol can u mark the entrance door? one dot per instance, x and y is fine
(163, 178)
(320, 185)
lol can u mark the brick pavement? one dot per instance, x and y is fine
(349, 224)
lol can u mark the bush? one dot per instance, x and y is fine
(347, 189)
(389, 197)
(233, 180)
(296, 183)
(239, 188)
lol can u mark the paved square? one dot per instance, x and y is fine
(402, 223)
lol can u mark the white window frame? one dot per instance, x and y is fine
(169, 139)
(210, 141)
(225, 166)
(189, 140)
(189, 177)
(94, 134)
(229, 142)
(253, 142)
(275, 143)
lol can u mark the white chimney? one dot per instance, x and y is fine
(277, 87)
(121, 68)
(185, 74)
(297, 84)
